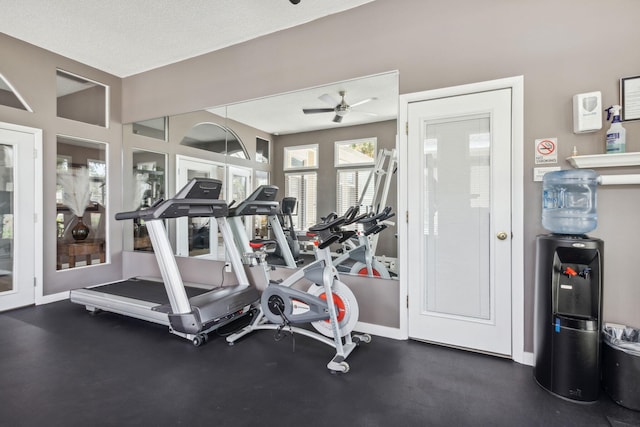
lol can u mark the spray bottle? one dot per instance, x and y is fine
(616, 135)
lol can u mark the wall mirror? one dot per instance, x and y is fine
(352, 126)
(81, 202)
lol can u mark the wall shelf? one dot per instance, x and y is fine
(605, 160)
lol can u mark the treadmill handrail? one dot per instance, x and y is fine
(176, 208)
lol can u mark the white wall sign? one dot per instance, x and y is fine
(538, 173)
(546, 151)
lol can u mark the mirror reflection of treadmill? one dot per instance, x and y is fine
(190, 311)
(261, 202)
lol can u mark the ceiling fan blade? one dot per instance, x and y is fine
(317, 110)
(364, 101)
(337, 119)
(328, 99)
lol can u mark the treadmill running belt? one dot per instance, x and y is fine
(145, 290)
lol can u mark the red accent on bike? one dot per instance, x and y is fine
(340, 307)
(363, 272)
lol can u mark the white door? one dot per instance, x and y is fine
(19, 210)
(459, 265)
(198, 236)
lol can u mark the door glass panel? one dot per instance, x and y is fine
(239, 188)
(6, 216)
(81, 203)
(240, 181)
(199, 227)
(198, 236)
(456, 222)
(260, 222)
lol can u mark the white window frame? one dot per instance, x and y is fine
(313, 147)
(302, 211)
(336, 150)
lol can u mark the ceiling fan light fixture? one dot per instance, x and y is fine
(342, 110)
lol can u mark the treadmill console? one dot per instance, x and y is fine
(199, 198)
(261, 202)
(201, 188)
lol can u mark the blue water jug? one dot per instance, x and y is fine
(569, 201)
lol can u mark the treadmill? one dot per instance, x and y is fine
(261, 202)
(189, 311)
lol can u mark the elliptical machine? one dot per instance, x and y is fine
(281, 306)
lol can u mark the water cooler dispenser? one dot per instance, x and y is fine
(568, 296)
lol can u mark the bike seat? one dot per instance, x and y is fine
(259, 243)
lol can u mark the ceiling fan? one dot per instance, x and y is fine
(341, 108)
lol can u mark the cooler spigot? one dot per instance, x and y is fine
(570, 272)
(585, 273)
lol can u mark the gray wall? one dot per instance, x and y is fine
(561, 48)
(32, 71)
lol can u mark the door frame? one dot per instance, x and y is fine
(38, 219)
(516, 84)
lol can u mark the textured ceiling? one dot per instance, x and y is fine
(282, 114)
(126, 37)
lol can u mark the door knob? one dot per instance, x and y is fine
(502, 235)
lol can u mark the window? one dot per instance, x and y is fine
(262, 150)
(81, 99)
(10, 97)
(303, 186)
(301, 157)
(81, 202)
(148, 188)
(152, 128)
(355, 152)
(353, 189)
(215, 138)
(98, 176)
(356, 187)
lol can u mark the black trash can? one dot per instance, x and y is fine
(621, 365)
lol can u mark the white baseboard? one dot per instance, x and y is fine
(394, 333)
(46, 299)
(528, 358)
(380, 331)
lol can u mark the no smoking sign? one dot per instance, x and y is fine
(546, 151)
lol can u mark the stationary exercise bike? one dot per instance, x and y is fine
(358, 247)
(281, 306)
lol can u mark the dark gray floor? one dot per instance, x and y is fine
(63, 367)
